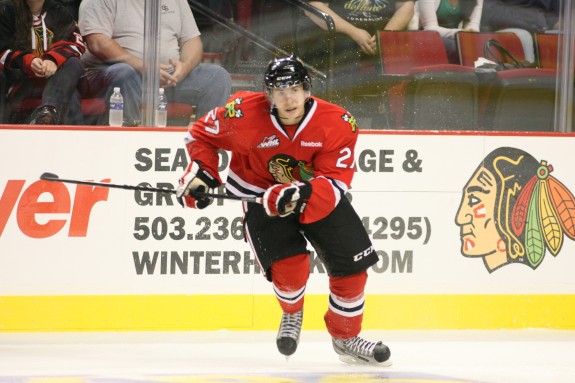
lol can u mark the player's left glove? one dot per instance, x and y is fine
(284, 199)
(196, 179)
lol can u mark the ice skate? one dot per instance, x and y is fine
(360, 351)
(288, 333)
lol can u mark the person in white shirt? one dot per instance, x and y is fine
(114, 33)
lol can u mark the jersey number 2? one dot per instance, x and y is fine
(346, 154)
(215, 129)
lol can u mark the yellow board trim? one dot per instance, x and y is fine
(261, 312)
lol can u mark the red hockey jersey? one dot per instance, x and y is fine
(264, 152)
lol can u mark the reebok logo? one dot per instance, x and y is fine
(306, 144)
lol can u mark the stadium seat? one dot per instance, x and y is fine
(520, 100)
(403, 50)
(426, 92)
(441, 97)
(470, 45)
(547, 49)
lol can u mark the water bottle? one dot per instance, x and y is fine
(116, 117)
(162, 110)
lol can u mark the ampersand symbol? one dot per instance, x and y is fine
(411, 163)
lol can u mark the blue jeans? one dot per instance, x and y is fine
(60, 91)
(206, 87)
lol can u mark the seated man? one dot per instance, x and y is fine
(114, 33)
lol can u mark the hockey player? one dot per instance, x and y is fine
(297, 153)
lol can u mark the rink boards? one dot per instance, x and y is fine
(80, 258)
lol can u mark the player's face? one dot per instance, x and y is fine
(290, 102)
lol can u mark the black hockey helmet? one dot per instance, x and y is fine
(286, 71)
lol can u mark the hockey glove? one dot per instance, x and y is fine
(284, 199)
(194, 182)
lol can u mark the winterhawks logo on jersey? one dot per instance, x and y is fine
(285, 168)
(232, 111)
(347, 117)
(269, 142)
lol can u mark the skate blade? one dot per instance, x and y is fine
(352, 360)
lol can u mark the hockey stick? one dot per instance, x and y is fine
(53, 177)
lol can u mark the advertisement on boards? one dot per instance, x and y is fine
(447, 213)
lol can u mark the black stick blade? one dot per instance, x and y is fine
(49, 177)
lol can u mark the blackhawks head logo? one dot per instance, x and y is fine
(284, 168)
(513, 210)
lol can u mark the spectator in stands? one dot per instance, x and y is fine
(114, 33)
(522, 17)
(355, 42)
(40, 50)
(449, 17)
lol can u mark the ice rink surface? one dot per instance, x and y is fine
(503, 356)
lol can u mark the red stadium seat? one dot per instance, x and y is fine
(515, 99)
(429, 93)
(403, 50)
(547, 49)
(470, 45)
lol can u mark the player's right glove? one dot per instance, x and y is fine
(195, 179)
(284, 199)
